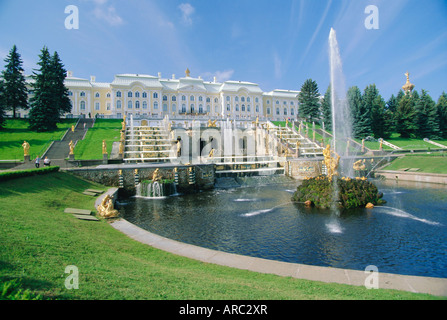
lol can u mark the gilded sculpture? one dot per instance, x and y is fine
(156, 176)
(106, 208)
(25, 146)
(71, 145)
(331, 162)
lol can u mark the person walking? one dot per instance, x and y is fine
(37, 162)
(46, 162)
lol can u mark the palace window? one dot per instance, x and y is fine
(243, 107)
(174, 108)
(237, 107)
(191, 98)
(144, 94)
(118, 104)
(228, 107)
(200, 99)
(277, 101)
(97, 95)
(137, 94)
(208, 108)
(236, 99)
(96, 105)
(228, 98)
(243, 99)
(165, 98)
(174, 98)
(183, 108)
(292, 112)
(248, 108)
(69, 93)
(108, 106)
(129, 94)
(108, 95)
(144, 105)
(248, 99)
(200, 108)
(137, 104)
(257, 99)
(183, 98)
(155, 105)
(155, 95)
(192, 108)
(165, 107)
(277, 111)
(82, 94)
(118, 94)
(215, 100)
(82, 105)
(208, 100)
(129, 104)
(268, 110)
(257, 108)
(285, 111)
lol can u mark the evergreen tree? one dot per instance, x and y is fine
(50, 99)
(361, 125)
(392, 104)
(43, 115)
(426, 117)
(441, 108)
(405, 116)
(2, 105)
(309, 100)
(15, 94)
(60, 91)
(374, 102)
(326, 108)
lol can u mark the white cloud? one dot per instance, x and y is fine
(107, 13)
(221, 76)
(187, 10)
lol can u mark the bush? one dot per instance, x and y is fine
(8, 175)
(353, 193)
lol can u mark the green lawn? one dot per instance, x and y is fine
(39, 241)
(16, 131)
(91, 147)
(429, 163)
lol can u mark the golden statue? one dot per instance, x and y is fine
(156, 176)
(123, 126)
(408, 86)
(187, 72)
(106, 208)
(121, 147)
(104, 147)
(123, 135)
(331, 162)
(72, 128)
(71, 145)
(359, 165)
(135, 171)
(212, 124)
(211, 154)
(25, 146)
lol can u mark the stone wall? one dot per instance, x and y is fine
(303, 168)
(204, 176)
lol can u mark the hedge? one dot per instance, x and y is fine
(8, 175)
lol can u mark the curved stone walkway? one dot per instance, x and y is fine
(430, 285)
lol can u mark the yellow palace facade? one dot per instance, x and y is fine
(146, 96)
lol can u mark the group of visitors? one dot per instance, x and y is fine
(46, 162)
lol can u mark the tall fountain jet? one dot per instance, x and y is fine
(341, 115)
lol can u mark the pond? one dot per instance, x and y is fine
(407, 235)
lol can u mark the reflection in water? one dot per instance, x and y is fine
(408, 235)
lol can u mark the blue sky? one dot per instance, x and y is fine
(277, 44)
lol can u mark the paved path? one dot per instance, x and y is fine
(59, 150)
(434, 286)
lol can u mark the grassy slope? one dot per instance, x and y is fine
(436, 163)
(39, 241)
(91, 147)
(16, 131)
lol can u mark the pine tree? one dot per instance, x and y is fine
(361, 125)
(309, 100)
(392, 104)
(43, 115)
(2, 105)
(441, 108)
(60, 91)
(50, 99)
(405, 116)
(326, 109)
(426, 117)
(15, 93)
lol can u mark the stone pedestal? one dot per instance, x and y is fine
(26, 158)
(105, 158)
(71, 157)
